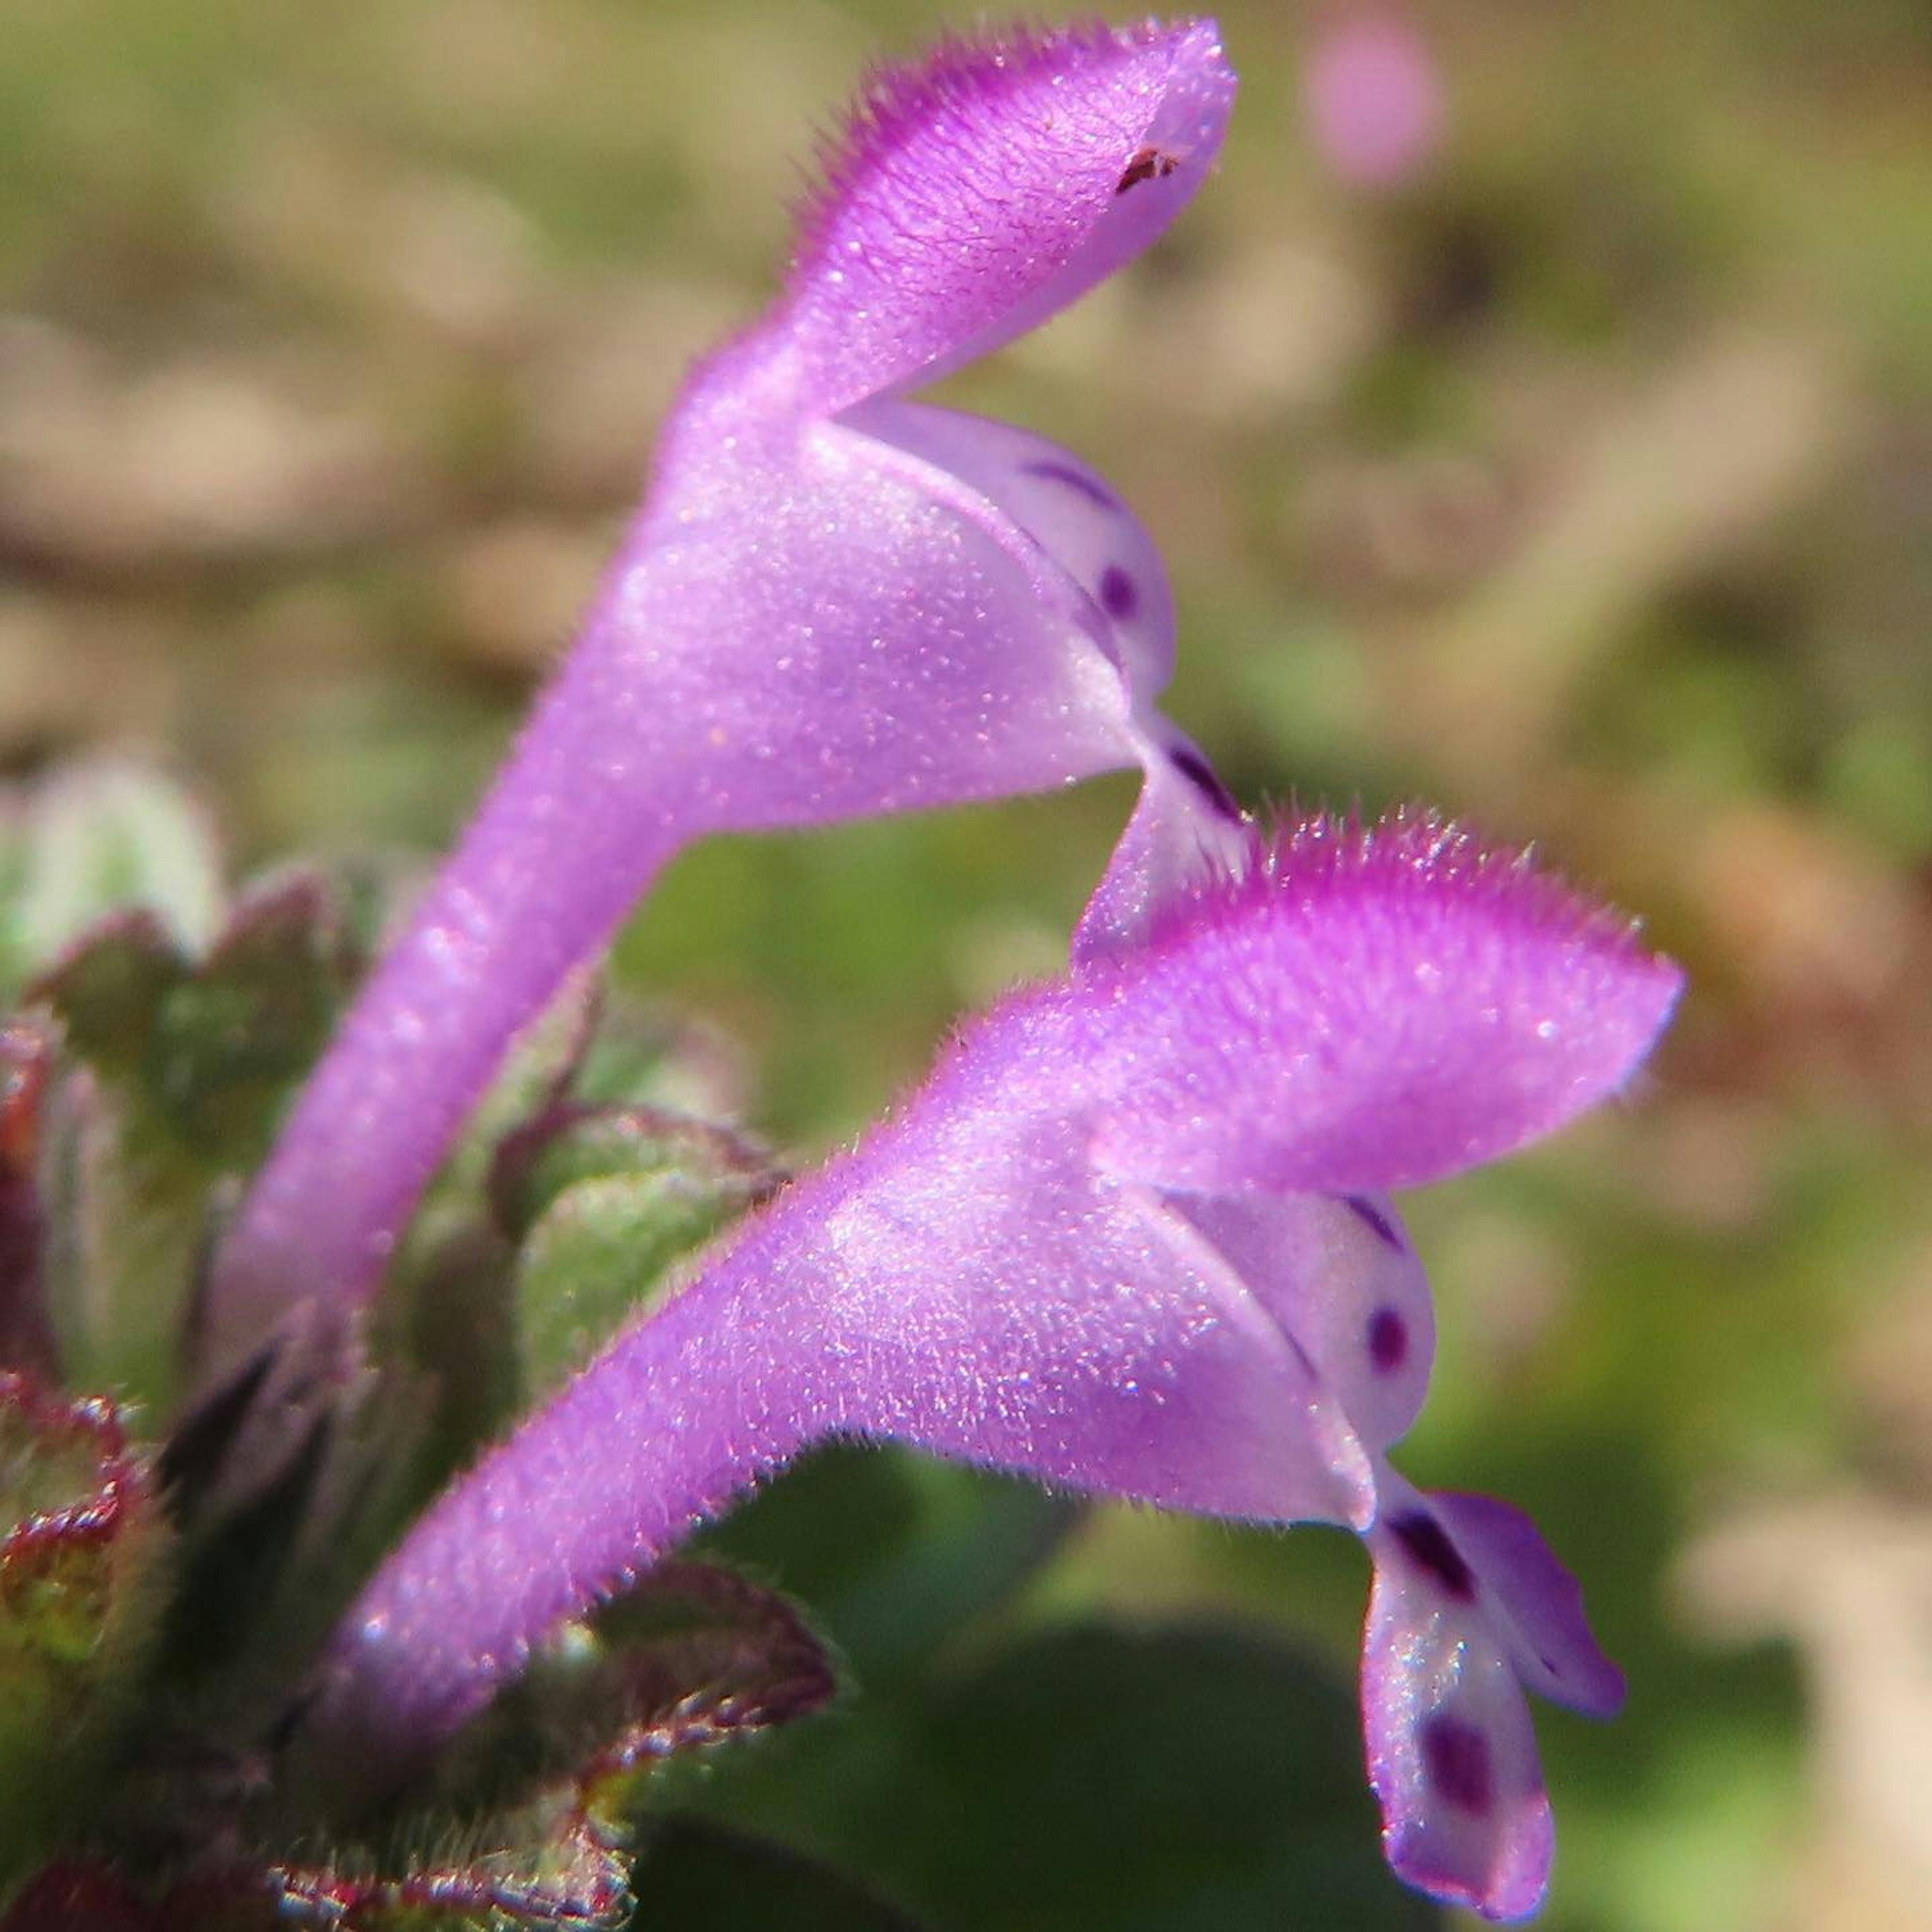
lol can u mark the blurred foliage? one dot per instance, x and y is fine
(1581, 485)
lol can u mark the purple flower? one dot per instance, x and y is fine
(1130, 1236)
(1374, 99)
(834, 602)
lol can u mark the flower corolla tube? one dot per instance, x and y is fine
(834, 602)
(1132, 1235)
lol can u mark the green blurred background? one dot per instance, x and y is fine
(1580, 483)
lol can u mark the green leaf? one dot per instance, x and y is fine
(108, 989)
(898, 1553)
(26, 1064)
(107, 835)
(194, 1063)
(697, 1874)
(527, 1819)
(605, 1200)
(690, 1656)
(230, 1044)
(81, 1549)
(128, 1215)
(1088, 1776)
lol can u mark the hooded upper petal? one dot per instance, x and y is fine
(975, 195)
(1365, 1008)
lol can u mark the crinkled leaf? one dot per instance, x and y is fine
(693, 1655)
(176, 1073)
(129, 1213)
(81, 1551)
(1088, 1776)
(26, 1060)
(231, 1042)
(109, 834)
(574, 1881)
(109, 986)
(589, 1207)
(211, 1050)
(702, 1655)
(127, 1205)
(72, 1896)
(529, 1818)
(603, 1200)
(449, 1309)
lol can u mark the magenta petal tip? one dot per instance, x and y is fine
(1374, 1008)
(974, 194)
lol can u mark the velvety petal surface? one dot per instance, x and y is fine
(982, 1278)
(1371, 1009)
(1066, 513)
(975, 195)
(858, 630)
(953, 1285)
(829, 605)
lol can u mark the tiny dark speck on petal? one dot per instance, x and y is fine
(1388, 1341)
(1148, 164)
(1120, 596)
(1428, 1543)
(1455, 1756)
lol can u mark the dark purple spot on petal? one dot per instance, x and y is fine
(1061, 472)
(1456, 1760)
(1199, 773)
(1120, 596)
(1371, 1216)
(1427, 1542)
(1388, 1341)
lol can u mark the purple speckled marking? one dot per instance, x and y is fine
(1372, 1217)
(1455, 1758)
(1119, 595)
(1427, 1542)
(1062, 472)
(1388, 1341)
